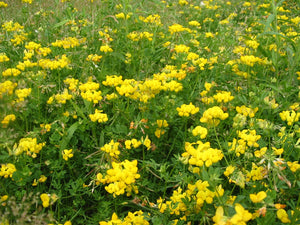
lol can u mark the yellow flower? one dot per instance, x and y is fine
(106, 48)
(67, 154)
(259, 197)
(283, 216)
(45, 199)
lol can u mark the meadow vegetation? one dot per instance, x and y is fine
(149, 112)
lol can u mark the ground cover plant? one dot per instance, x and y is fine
(149, 112)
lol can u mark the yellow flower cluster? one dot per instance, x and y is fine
(294, 166)
(250, 60)
(11, 26)
(11, 72)
(25, 64)
(246, 111)
(68, 42)
(123, 16)
(67, 153)
(72, 83)
(112, 149)
(181, 48)
(213, 115)
(256, 173)
(198, 193)
(3, 5)
(187, 110)
(152, 19)
(7, 87)
(120, 178)
(200, 131)
(57, 63)
(160, 131)
(89, 91)
(98, 116)
(176, 28)
(7, 170)
(7, 119)
(3, 57)
(223, 96)
(113, 81)
(131, 218)
(22, 94)
(136, 36)
(94, 58)
(106, 48)
(290, 116)
(132, 143)
(60, 98)
(29, 145)
(45, 199)
(250, 137)
(202, 155)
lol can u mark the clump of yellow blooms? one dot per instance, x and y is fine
(68, 42)
(105, 49)
(22, 94)
(176, 28)
(7, 87)
(11, 72)
(89, 91)
(72, 83)
(152, 19)
(3, 5)
(45, 200)
(160, 124)
(200, 131)
(132, 143)
(57, 63)
(113, 80)
(256, 173)
(120, 178)
(198, 193)
(98, 116)
(294, 166)
(3, 57)
(250, 137)
(112, 148)
(223, 96)
(94, 58)
(67, 153)
(290, 116)
(181, 48)
(187, 110)
(212, 116)
(60, 98)
(29, 145)
(136, 36)
(202, 155)
(11, 26)
(7, 119)
(131, 218)
(246, 111)
(7, 170)
(123, 16)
